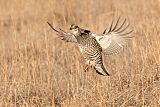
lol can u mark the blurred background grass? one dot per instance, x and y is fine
(37, 69)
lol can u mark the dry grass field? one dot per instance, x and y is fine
(37, 69)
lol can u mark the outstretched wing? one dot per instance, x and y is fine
(114, 40)
(68, 37)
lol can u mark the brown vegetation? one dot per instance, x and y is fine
(37, 69)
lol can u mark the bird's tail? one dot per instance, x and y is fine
(100, 69)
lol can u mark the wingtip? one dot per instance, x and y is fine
(52, 27)
(49, 23)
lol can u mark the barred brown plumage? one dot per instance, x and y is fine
(92, 45)
(91, 51)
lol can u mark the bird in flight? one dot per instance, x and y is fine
(92, 46)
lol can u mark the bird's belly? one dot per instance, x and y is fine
(87, 52)
(86, 56)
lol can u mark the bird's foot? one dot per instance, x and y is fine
(86, 67)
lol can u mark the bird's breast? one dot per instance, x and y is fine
(82, 48)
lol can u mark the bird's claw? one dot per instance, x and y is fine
(86, 67)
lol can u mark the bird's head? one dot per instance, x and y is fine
(74, 29)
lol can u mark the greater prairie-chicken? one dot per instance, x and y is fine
(93, 45)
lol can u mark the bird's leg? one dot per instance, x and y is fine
(86, 67)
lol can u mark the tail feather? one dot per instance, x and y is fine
(101, 70)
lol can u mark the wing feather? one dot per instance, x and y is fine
(68, 37)
(114, 40)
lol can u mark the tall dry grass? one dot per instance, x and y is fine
(37, 69)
